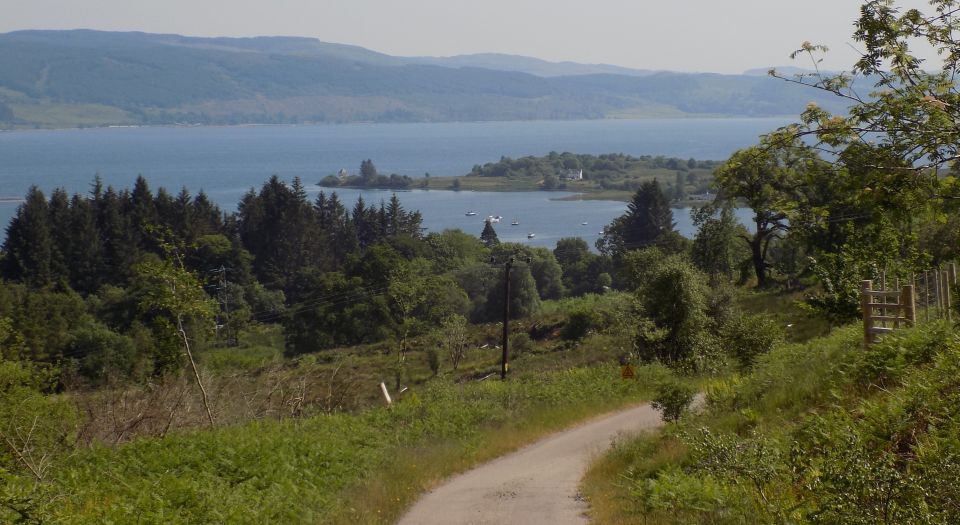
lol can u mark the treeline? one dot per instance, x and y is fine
(94, 284)
(607, 171)
(369, 177)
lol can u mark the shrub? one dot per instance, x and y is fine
(673, 398)
(748, 336)
(579, 324)
(433, 360)
(35, 427)
(520, 344)
(675, 328)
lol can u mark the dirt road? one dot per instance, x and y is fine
(534, 485)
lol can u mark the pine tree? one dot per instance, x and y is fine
(368, 171)
(60, 232)
(207, 217)
(119, 236)
(29, 245)
(86, 250)
(143, 214)
(647, 220)
(489, 236)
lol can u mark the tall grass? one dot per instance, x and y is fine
(365, 467)
(820, 432)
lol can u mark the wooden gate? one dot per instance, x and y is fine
(886, 310)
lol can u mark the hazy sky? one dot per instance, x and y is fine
(686, 35)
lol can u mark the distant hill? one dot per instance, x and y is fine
(522, 64)
(787, 71)
(83, 77)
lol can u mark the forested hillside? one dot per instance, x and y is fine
(70, 78)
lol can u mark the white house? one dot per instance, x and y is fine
(574, 175)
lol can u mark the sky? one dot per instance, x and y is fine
(724, 36)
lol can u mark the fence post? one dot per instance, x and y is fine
(909, 304)
(926, 293)
(953, 273)
(939, 290)
(865, 300)
(946, 295)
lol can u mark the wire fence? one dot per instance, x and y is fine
(922, 297)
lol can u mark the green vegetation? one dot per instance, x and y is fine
(608, 176)
(72, 78)
(368, 178)
(816, 432)
(325, 467)
(166, 360)
(823, 430)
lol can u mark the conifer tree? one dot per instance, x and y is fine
(647, 220)
(29, 246)
(86, 265)
(60, 234)
(489, 236)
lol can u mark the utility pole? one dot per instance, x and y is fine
(223, 297)
(507, 266)
(506, 318)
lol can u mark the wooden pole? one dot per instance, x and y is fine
(865, 301)
(504, 365)
(926, 291)
(909, 304)
(953, 274)
(939, 291)
(946, 295)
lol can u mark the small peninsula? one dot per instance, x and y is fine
(612, 176)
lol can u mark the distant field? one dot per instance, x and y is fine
(62, 115)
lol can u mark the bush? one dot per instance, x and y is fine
(520, 344)
(433, 360)
(748, 336)
(579, 324)
(36, 428)
(673, 398)
(675, 328)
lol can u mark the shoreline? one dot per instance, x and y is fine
(32, 128)
(579, 195)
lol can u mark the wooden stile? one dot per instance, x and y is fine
(897, 307)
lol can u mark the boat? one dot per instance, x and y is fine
(493, 219)
(584, 223)
(531, 235)
(470, 213)
(516, 222)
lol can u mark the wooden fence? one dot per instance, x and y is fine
(886, 308)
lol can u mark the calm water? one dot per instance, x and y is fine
(227, 161)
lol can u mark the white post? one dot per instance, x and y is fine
(386, 393)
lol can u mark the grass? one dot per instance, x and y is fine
(819, 431)
(366, 467)
(62, 115)
(799, 326)
(589, 189)
(784, 384)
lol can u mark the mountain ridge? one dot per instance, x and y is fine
(86, 77)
